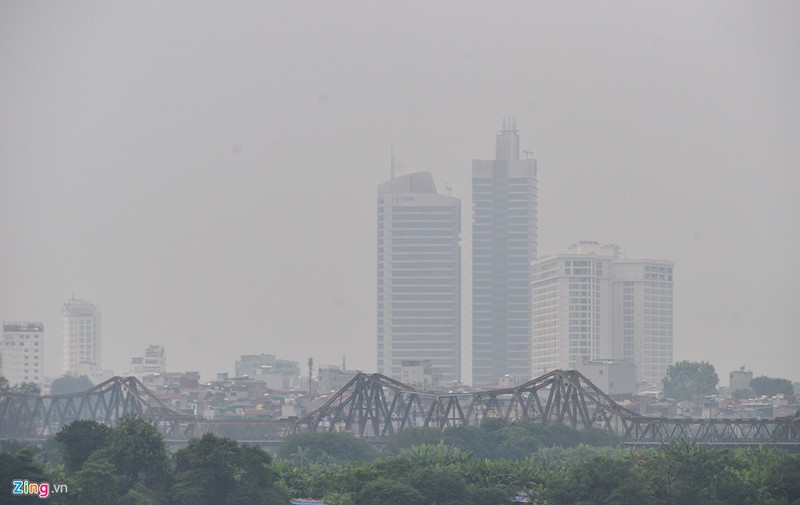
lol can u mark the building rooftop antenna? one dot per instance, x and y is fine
(392, 172)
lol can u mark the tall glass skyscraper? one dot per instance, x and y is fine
(503, 248)
(419, 276)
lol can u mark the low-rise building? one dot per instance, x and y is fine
(739, 380)
(614, 377)
(419, 373)
(154, 360)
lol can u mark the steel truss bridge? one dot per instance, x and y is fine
(377, 407)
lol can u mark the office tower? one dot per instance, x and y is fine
(419, 276)
(23, 352)
(593, 304)
(82, 337)
(503, 248)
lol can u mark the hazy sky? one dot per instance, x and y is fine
(206, 172)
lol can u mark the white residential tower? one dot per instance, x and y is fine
(593, 304)
(82, 337)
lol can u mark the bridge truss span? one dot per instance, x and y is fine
(378, 407)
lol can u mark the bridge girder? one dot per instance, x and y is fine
(378, 407)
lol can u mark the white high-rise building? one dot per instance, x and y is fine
(23, 352)
(82, 337)
(419, 276)
(592, 304)
(503, 247)
(572, 309)
(643, 316)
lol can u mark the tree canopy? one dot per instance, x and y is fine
(80, 440)
(686, 379)
(307, 448)
(768, 386)
(67, 384)
(217, 471)
(25, 388)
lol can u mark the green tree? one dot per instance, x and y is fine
(205, 470)
(19, 466)
(140, 494)
(415, 436)
(338, 499)
(482, 441)
(27, 388)
(218, 471)
(598, 481)
(517, 444)
(441, 485)
(383, 491)
(427, 455)
(97, 482)
(343, 447)
(136, 448)
(67, 384)
(771, 386)
(686, 379)
(80, 439)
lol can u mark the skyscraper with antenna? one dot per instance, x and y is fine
(504, 244)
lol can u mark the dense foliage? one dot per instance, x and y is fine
(675, 474)
(771, 386)
(68, 383)
(687, 379)
(25, 388)
(493, 439)
(129, 465)
(304, 448)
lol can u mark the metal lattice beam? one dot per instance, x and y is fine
(378, 407)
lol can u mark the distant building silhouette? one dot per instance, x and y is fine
(23, 352)
(739, 380)
(154, 360)
(419, 276)
(278, 373)
(503, 247)
(592, 304)
(82, 338)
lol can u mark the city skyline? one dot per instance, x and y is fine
(212, 185)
